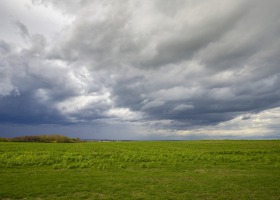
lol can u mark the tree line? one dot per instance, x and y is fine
(42, 138)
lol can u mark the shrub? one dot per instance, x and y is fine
(42, 138)
(4, 140)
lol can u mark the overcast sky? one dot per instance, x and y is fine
(140, 69)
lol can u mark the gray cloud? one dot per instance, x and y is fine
(175, 65)
(23, 29)
(38, 90)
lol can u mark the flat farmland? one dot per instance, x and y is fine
(221, 169)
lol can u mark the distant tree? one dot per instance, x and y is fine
(4, 140)
(44, 138)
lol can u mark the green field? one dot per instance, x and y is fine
(141, 170)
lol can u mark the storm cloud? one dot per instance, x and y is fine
(164, 68)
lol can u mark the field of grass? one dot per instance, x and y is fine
(141, 170)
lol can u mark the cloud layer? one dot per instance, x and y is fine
(174, 67)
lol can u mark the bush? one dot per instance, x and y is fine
(4, 140)
(43, 138)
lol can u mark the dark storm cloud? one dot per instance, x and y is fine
(20, 83)
(38, 90)
(174, 65)
(24, 109)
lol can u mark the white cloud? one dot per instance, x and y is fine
(183, 107)
(38, 19)
(79, 104)
(261, 125)
(123, 114)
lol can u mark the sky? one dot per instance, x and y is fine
(140, 69)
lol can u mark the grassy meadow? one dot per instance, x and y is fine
(141, 170)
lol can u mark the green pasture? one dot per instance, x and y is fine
(141, 170)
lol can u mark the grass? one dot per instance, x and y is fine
(141, 170)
